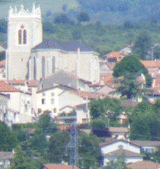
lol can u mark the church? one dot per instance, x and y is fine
(29, 57)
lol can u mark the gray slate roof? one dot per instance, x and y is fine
(61, 78)
(65, 46)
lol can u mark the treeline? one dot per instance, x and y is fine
(102, 38)
(135, 10)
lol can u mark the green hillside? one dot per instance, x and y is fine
(53, 6)
(106, 11)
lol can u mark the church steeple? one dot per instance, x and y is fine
(24, 33)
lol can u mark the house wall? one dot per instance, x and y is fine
(127, 159)
(114, 146)
(149, 149)
(72, 62)
(48, 95)
(69, 99)
(20, 103)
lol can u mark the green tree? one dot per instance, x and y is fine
(63, 19)
(38, 142)
(23, 161)
(89, 151)
(57, 144)
(129, 86)
(142, 45)
(7, 138)
(144, 123)
(83, 17)
(99, 128)
(48, 27)
(96, 108)
(131, 65)
(3, 26)
(46, 124)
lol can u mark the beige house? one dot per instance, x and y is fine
(19, 104)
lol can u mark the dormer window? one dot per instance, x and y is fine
(22, 35)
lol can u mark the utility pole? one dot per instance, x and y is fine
(73, 145)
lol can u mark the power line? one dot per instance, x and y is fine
(73, 145)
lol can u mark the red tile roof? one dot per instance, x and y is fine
(58, 166)
(113, 55)
(32, 83)
(89, 95)
(5, 87)
(144, 165)
(3, 63)
(16, 82)
(111, 65)
(151, 63)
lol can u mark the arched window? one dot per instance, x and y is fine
(53, 64)
(22, 35)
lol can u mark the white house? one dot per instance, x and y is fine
(112, 149)
(147, 146)
(19, 104)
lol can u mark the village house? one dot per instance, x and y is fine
(19, 104)
(112, 149)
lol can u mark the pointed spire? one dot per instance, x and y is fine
(10, 9)
(22, 7)
(33, 7)
(15, 9)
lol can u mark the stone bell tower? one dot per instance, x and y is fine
(24, 33)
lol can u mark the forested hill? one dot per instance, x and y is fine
(117, 11)
(106, 11)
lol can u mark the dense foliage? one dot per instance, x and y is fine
(7, 138)
(133, 10)
(145, 122)
(142, 45)
(131, 65)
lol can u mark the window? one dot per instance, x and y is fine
(43, 94)
(52, 94)
(120, 146)
(43, 101)
(53, 64)
(52, 101)
(22, 35)
(35, 69)
(43, 67)
(54, 110)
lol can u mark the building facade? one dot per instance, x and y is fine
(37, 59)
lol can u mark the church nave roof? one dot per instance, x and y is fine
(65, 46)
